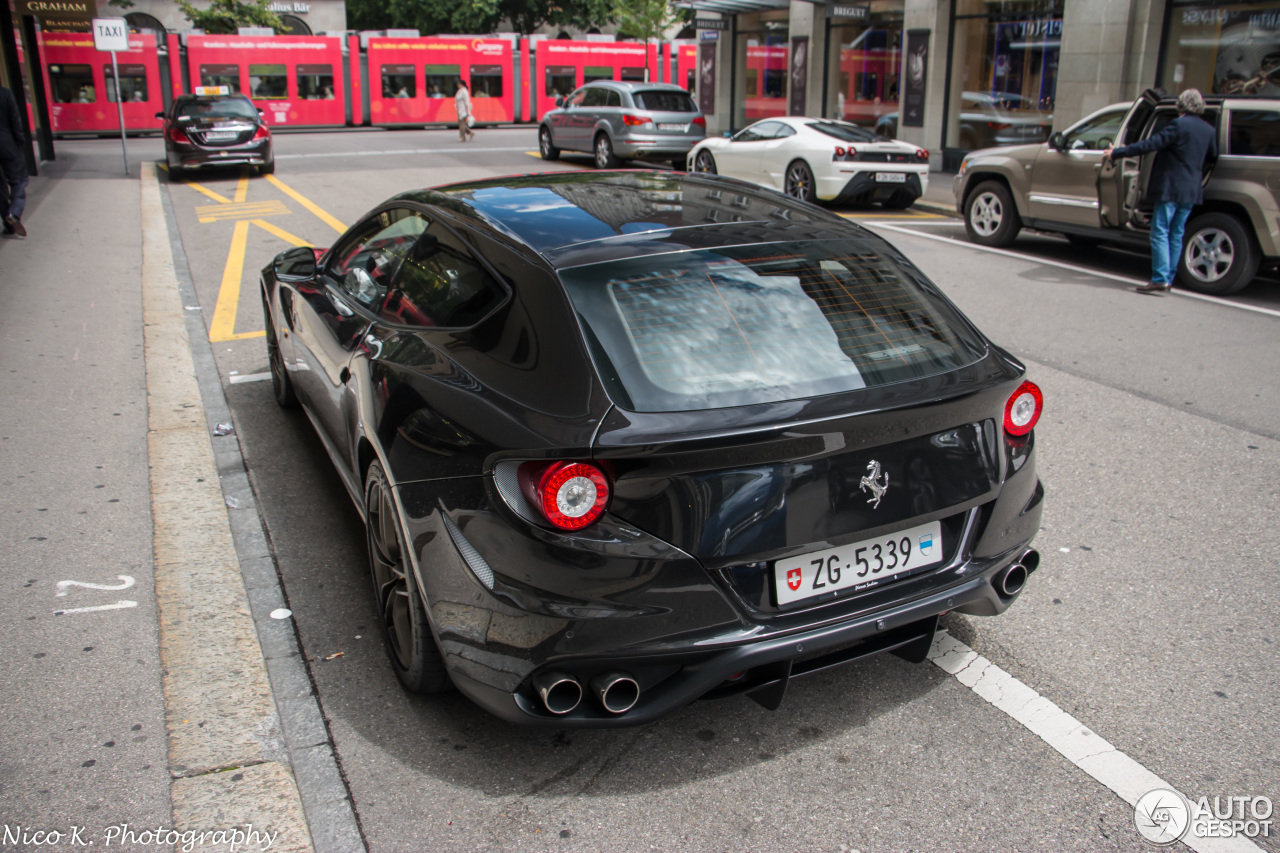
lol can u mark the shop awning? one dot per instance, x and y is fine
(732, 7)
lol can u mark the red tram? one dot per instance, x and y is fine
(412, 81)
(562, 66)
(297, 81)
(766, 86)
(82, 90)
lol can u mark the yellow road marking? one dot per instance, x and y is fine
(223, 326)
(242, 187)
(332, 221)
(243, 210)
(201, 188)
(280, 232)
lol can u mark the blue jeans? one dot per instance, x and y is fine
(15, 200)
(1166, 239)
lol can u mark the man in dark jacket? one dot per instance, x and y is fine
(1176, 182)
(12, 162)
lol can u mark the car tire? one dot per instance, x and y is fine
(1219, 255)
(705, 162)
(990, 217)
(281, 384)
(545, 146)
(680, 164)
(415, 657)
(268, 168)
(605, 158)
(799, 182)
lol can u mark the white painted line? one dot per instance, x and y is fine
(390, 152)
(123, 604)
(1125, 777)
(251, 377)
(126, 582)
(1059, 264)
(931, 223)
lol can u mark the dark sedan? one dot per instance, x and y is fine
(216, 128)
(624, 440)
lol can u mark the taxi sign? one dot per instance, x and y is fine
(211, 91)
(110, 34)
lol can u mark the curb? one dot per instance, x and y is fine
(325, 799)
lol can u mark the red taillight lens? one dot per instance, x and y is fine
(176, 135)
(839, 151)
(999, 125)
(700, 121)
(262, 132)
(570, 495)
(628, 118)
(922, 154)
(1023, 409)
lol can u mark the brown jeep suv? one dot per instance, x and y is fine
(1063, 185)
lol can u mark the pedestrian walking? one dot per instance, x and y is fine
(13, 140)
(462, 101)
(1176, 183)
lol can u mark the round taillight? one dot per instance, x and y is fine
(922, 154)
(839, 151)
(572, 495)
(1023, 409)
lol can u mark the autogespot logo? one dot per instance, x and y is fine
(1162, 816)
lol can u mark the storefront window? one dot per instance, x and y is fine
(1006, 73)
(864, 60)
(1223, 49)
(762, 54)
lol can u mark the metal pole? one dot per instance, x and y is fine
(115, 72)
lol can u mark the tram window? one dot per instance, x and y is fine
(486, 81)
(133, 83)
(753, 82)
(596, 72)
(399, 81)
(560, 80)
(636, 74)
(268, 82)
(866, 85)
(442, 81)
(221, 75)
(315, 82)
(775, 81)
(72, 84)
(690, 78)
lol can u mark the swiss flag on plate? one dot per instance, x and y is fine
(793, 579)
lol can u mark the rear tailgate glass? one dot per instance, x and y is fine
(659, 101)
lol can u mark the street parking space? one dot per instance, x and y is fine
(1150, 623)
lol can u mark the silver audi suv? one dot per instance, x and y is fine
(618, 121)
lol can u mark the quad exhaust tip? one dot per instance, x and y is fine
(617, 691)
(1014, 580)
(560, 692)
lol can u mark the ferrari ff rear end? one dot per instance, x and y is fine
(707, 440)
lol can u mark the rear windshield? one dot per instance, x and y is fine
(714, 328)
(845, 132)
(664, 102)
(223, 108)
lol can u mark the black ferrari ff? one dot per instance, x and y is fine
(623, 440)
(214, 127)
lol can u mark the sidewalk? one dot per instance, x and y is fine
(137, 696)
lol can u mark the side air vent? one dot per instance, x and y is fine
(474, 561)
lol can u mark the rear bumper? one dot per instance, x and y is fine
(195, 156)
(863, 188)
(653, 147)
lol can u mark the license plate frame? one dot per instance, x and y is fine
(891, 177)
(837, 569)
(221, 135)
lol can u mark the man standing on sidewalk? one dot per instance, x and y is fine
(462, 101)
(1176, 183)
(12, 142)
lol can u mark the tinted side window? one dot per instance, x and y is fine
(1096, 134)
(768, 129)
(596, 98)
(615, 99)
(441, 284)
(575, 100)
(1254, 133)
(364, 265)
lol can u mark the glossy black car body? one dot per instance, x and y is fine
(216, 130)
(673, 586)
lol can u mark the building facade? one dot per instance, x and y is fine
(954, 75)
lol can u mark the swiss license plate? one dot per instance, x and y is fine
(858, 565)
(221, 135)
(668, 126)
(891, 177)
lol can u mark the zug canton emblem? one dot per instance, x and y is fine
(872, 482)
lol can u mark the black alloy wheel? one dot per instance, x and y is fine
(268, 168)
(704, 162)
(545, 146)
(414, 655)
(605, 158)
(1219, 255)
(281, 384)
(800, 181)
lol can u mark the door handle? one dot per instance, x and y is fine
(344, 376)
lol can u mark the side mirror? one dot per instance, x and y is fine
(160, 115)
(559, 100)
(295, 265)
(1057, 141)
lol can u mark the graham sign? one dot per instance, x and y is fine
(60, 16)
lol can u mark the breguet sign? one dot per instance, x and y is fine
(61, 16)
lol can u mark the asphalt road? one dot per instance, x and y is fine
(1152, 618)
